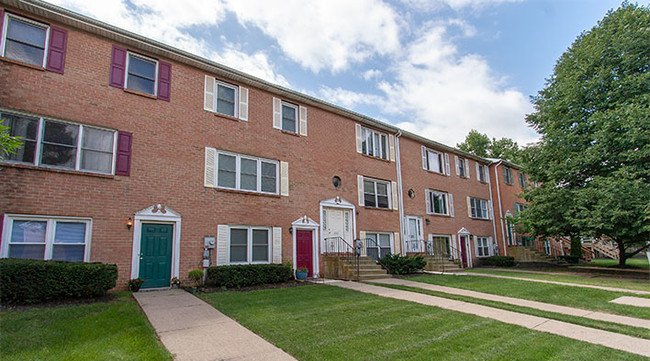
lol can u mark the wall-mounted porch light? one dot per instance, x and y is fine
(129, 223)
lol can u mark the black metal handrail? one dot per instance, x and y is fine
(337, 246)
(415, 246)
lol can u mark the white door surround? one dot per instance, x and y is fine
(464, 236)
(414, 225)
(156, 214)
(308, 224)
(339, 203)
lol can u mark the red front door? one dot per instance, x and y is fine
(463, 251)
(304, 253)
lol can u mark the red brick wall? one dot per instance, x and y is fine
(508, 195)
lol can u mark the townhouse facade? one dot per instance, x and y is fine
(157, 160)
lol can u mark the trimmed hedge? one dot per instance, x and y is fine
(28, 281)
(402, 265)
(248, 275)
(499, 261)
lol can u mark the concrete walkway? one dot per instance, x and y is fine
(638, 292)
(594, 315)
(193, 330)
(613, 340)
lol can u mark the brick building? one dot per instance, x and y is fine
(142, 155)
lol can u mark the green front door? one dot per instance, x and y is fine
(156, 254)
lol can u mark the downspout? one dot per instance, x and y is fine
(494, 226)
(503, 235)
(398, 164)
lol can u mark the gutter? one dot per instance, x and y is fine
(400, 193)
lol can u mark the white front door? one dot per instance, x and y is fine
(337, 226)
(414, 234)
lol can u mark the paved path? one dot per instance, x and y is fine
(613, 340)
(595, 315)
(632, 301)
(193, 330)
(638, 292)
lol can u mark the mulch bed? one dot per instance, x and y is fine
(60, 303)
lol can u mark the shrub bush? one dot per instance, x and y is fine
(27, 281)
(248, 275)
(402, 265)
(571, 259)
(499, 261)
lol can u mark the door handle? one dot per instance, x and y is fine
(141, 256)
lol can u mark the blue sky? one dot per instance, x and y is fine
(438, 68)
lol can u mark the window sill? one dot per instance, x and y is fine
(27, 65)
(57, 170)
(146, 95)
(248, 193)
(439, 215)
(289, 133)
(376, 158)
(226, 116)
(434, 172)
(480, 219)
(378, 209)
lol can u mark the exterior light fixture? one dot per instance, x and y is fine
(129, 223)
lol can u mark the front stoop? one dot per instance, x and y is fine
(340, 268)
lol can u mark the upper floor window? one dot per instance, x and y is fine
(225, 98)
(39, 237)
(481, 172)
(376, 193)
(61, 144)
(243, 172)
(479, 208)
(507, 175)
(34, 43)
(289, 117)
(462, 167)
(435, 161)
(374, 143)
(140, 73)
(483, 247)
(518, 208)
(438, 202)
(522, 180)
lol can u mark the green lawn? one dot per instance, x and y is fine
(642, 285)
(322, 322)
(586, 298)
(633, 262)
(115, 330)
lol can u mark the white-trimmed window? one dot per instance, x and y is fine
(25, 40)
(481, 172)
(507, 175)
(522, 180)
(479, 208)
(435, 161)
(441, 243)
(378, 239)
(225, 98)
(438, 202)
(60, 144)
(483, 247)
(249, 245)
(462, 167)
(141, 73)
(289, 117)
(518, 208)
(376, 193)
(47, 238)
(246, 173)
(374, 143)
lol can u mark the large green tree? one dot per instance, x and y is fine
(594, 120)
(481, 145)
(8, 144)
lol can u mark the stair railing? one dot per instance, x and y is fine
(415, 246)
(339, 247)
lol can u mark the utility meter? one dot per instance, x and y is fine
(208, 242)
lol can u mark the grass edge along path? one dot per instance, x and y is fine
(324, 322)
(113, 330)
(587, 281)
(601, 325)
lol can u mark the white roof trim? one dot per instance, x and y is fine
(304, 221)
(337, 202)
(463, 232)
(158, 210)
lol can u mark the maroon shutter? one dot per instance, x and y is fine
(56, 49)
(123, 159)
(164, 80)
(118, 67)
(2, 20)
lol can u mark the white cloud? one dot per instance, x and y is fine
(257, 64)
(324, 34)
(434, 5)
(372, 74)
(348, 98)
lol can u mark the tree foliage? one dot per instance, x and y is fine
(480, 144)
(8, 144)
(593, 159)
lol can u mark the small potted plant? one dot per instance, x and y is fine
(175, 282)
(301, 273)
(135, 284)
(196, 278)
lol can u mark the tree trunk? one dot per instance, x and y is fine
(621, 254)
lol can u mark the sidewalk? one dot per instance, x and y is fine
(193, 330)
(614, 289)
(613, 340)
(594, 315)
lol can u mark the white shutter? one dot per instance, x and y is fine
(469, 207)
(457, 165)
(303, 120)
(360, 189)
(391, 147)
(208, 94)
(362, 237)
(223, 235)
(475, 245)
(490, 247)
(424, 157)
(277, 245)
(467, 168)
(357, 128)
(490, 210)
(243, 103)
(451, 204)
(447, 164)
(284, 178)
(210, 165)
(393, 189)
(427, 199)
(478, 178)
(397, 245)
(277, 113)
